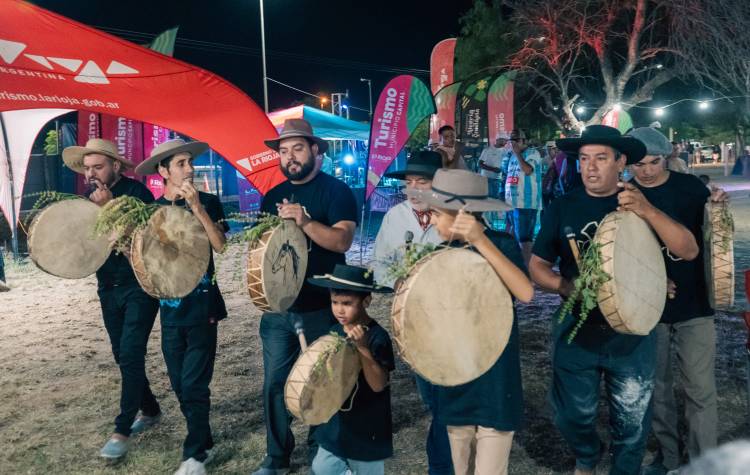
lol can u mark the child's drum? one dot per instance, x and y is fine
(322, 379)
(170, 255)
(62, 240)
(276, 266)
(633, 299)
(452, 317)
(718, 255)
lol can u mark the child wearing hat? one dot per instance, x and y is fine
(360, 439)
(487, 411)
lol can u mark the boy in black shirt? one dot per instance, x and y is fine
(358, 439)
(189, 325)
(326, 211)
(128, 312)
(625, 362)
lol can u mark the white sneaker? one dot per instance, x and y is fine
(191, 467)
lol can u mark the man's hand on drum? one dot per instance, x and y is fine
(671, 289)
(466, 227)
(293, 211)
(631, 199)
(188, 191)
(357, 334)
(101, 195)
(718, 195)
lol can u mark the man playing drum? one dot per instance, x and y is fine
(128, 312)
(406, 223)
(626, 362)
(687, 321)
(326, 211)
(189, 324)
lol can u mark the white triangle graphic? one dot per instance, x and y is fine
(92, 74)
(9, 50)
(39, 59)
(119, 68)
(69, 64)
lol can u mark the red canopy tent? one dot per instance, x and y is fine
(49, 61)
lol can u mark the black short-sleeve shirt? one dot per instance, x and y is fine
(327, 201)
(495, 399)
(364, 432)
(116, 269)
(583, 214)
(205, 302)
(683, 198)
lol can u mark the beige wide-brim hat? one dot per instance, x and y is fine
(167, 149)
(297, 128)
(73, 156)
(459, 189)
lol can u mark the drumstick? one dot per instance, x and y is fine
(573, 245)
(299, 329)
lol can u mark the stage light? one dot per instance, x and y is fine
(580, 110)
(703, 105)
(349, 159)
(659, 112)
(617, 107)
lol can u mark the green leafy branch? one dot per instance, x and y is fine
(122, 217)
(46, 198)
(251, 234)
(325, 356)
(586, 288)
(412, 254)
(726, 226)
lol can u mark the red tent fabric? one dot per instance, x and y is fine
(49, 61)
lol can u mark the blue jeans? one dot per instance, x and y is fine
(326, 463)
(439, 460)
(524, 223)
(280, 351)
(627, 364)
(2, 267)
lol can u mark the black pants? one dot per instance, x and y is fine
(280, 351)
(190, 352)
(129, 315)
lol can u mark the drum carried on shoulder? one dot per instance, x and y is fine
(62, 240)
(322, 379)
(632, 300)
(276, 266)
(451, 334)
(718, 254)
(170, 255)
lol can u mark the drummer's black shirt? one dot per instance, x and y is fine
(583, 214)
(327, 200)
(683, 198)
(205, 302)
(363, 432)
(116, 270)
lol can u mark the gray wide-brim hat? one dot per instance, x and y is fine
(167, 149)
(656, 143)
(297, 128)
(459, 189)
(73, 156)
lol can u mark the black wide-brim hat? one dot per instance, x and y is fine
(633, 148)
(425, 163)
(347, 277)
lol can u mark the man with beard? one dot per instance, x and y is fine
(326, 211)
(625, 362)
(127, 310)
(687, 323)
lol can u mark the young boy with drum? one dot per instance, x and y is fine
(358, 438)
(189, 324)
(486, 411)
(625, 362)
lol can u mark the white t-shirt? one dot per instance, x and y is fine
(493, 157)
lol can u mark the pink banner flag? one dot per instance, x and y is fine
(441, 75)
(500, 108)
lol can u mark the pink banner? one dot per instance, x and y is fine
(445, 102)
(389, 129)
(89, 127)
(500, 108)
(153, 135)
(441, 75)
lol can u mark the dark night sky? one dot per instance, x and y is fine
(385, 33)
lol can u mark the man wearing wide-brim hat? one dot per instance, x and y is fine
(626, 362)
(325, 210)
(189, 326)
(408, 224)
(128, 312)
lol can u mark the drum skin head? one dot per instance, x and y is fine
(633, 300)
(452, 317)
(62, 240)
